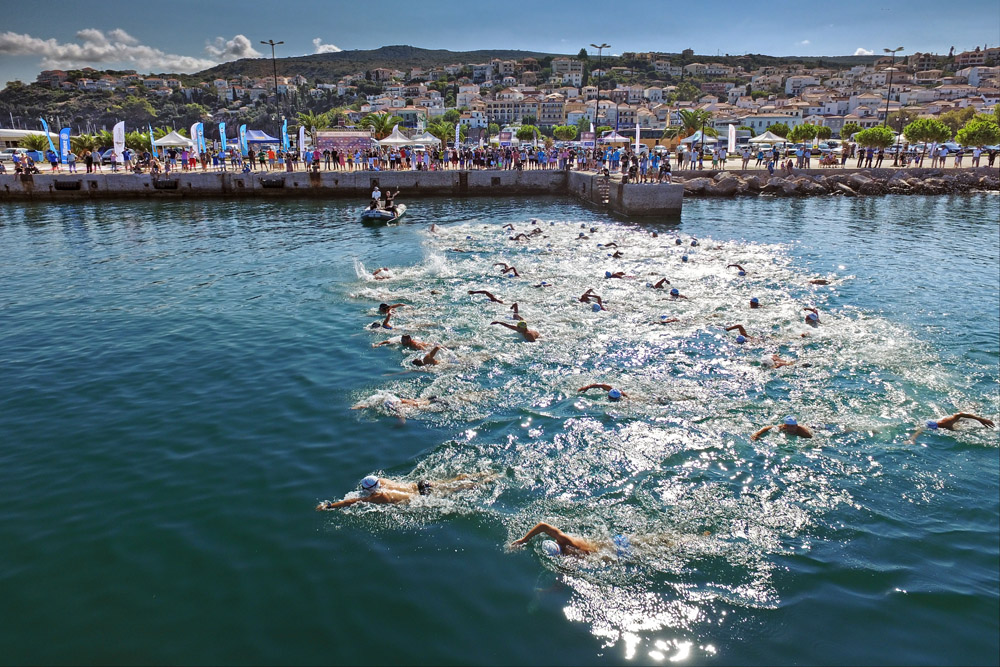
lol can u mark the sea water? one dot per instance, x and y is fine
(184, 381)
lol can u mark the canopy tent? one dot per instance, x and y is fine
(396, 138)
(696, 139)
(425, 138)
(615, 138)
(173, 139)
(768, 138)
(259, 137)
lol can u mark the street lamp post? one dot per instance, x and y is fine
(892, 68)
(597, 104)
(274, 65)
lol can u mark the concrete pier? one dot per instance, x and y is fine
(629, 200)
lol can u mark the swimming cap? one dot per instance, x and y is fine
(468, 238)
(677, 241)
(593, 229)
(684, 258)
(600, 245)
(596, 307)
(581, 235)
(552, 223)
(675, 292)
(741, 339)
(370, 483)
(933, 425)
(663, 317)
(742, 273)
(812, 316)
(583, 226)
(607, 274)
(790, 421)
(614, 394)
(754, 300)
(694, 242)
(551, 548)
(522, 325)
(649, 284)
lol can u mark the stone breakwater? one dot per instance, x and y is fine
(849, 183)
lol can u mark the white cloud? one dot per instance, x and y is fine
(863, 52)
(233, 49)
(805, 42)
(325, 48)
(95, 47)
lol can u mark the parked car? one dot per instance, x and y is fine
(7, 154)
(830, 147)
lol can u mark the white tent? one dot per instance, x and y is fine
(396, 138)
(696, 139)
(615, 138)
(425, 138)
(768, 138)
(173, 139)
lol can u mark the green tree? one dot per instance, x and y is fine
(802, 133)
(34, 142)
(528, 120)
(564, 132)
(452, 116)
(927, 130)
(83, 142)
(900, 119)
(313, 122)
(492, 130)
(693, 120)
(583, 125)
(779, 129)
(823, 132)
(381, 124)
(848, 129)
(745, 128)
(978, 133)
(134, 110)
(527, 132)
(602, 129)
(582, 55)
(876, 137)
(957, 118)
(445, 131)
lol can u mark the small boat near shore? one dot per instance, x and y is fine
(381, 216)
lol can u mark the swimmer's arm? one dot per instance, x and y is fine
(328, 505)
(395, 305)
(430, 355)
(913, 438)
(761, 432)
(812, 310)
(484, 292)
(605, 387)
(547, 529)
(504, 324)
(739, 327)
(969, 415)
(385, 342)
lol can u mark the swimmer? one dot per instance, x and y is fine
(393, 402)
(754, 302)
(543, 284)
(617, 255)
(776, 361)
(385, 323)
(589, 296)
(617, 274)
(819, 281)
(428, 359)
(666, 320)
(812, 319)
(949, 423)
(520, 237)
(568, 545)
(508, 226)
(582, 237)
(482, 291)
(507, 269)
(660, 283)
(530, 335)
(516, 315)
(613, 394)
(386, 273)
(742, 271)
(434, 228)
(789, 426)
(612, 244)
(384, 308)
(743, 333)
(407, 342)
(676, 294)
(678, 242)
(383, 491)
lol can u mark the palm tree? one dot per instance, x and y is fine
(696, 119)
(313, 122)
(445, 131)
(83, 142)
(381, 124)
(34, 142)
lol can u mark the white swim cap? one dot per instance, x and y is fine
(551, 548)
(370, 483)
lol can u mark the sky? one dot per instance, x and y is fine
(191, 35)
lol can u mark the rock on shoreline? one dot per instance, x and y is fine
(848, 184)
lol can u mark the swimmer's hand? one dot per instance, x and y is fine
(519, 543)
(325, 505)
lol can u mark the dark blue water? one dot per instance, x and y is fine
(177, 385)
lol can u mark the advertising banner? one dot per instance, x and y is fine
(505, 138)
(222, 136)
(118, 134)
(64, 145)
(243, 140)
(344, 141)
(587, 139)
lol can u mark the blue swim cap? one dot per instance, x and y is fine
(790, 421)
(754, 300)
(593, 229)
(581, 235)
(684, 258)
(370, 483)
(694, 242)
(614, 394)
(551, 548)
(600, 245)
(675, 292)
(742, 273)
(933, 425)
(678, 241)
(812, 316)
(468, 238)
(552, 223)
(607, 274)
(596, 307)
(663, 317)
(649, 284)
(741, 339)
